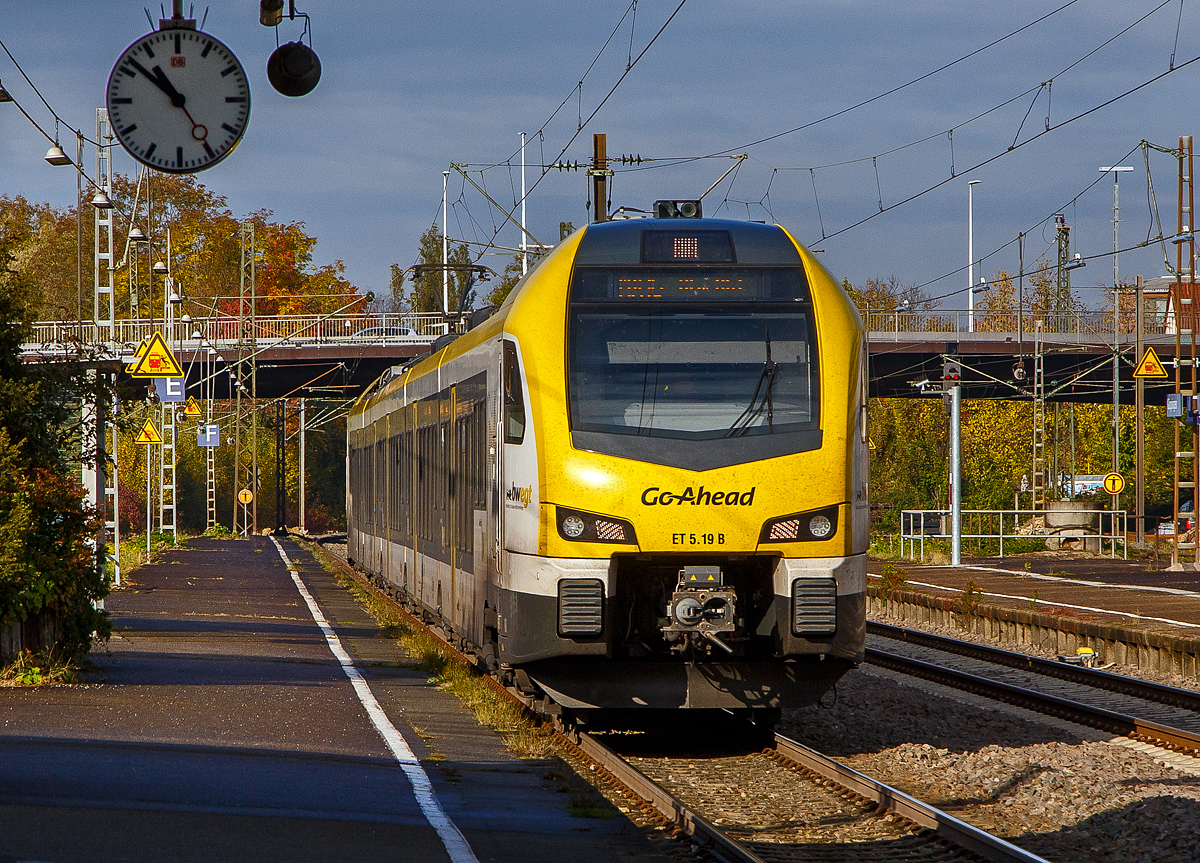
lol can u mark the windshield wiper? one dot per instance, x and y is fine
(767, 376)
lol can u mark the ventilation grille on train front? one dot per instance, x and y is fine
(580, 607)
(814, 606)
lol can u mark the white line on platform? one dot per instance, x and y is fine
(1055, 604)
(431, 807)
(1174, 591)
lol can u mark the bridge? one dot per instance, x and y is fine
(1000, 351)
(297, 356)
(324, 356)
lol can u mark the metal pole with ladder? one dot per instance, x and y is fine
(210, 452)
(1037, 484)
(104, 314)
(1183, 548)
(166, 468)
(245, 466)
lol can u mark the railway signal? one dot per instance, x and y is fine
(951, 375)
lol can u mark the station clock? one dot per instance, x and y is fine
(178, 99)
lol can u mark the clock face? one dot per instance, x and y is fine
(178, 100)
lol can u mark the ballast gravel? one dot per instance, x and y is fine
(1058, 790)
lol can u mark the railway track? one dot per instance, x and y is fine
(790, 803)
(785, 803)
(1162, 715)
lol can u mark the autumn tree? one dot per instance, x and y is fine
(48, 569)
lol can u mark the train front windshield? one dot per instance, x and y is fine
(693, 354)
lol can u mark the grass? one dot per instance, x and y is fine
(133, 550)
(893, 578)
(37, 669)
(450, 674)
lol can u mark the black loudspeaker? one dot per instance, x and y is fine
(294, 69)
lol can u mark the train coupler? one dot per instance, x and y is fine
(700, 607)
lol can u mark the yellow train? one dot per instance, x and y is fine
(642, 481)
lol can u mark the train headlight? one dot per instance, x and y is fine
(573, 526)
(812, 526)
(579, 526)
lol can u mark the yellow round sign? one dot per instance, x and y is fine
(246, 496)
(1114, 483)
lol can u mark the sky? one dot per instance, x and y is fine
(408, 88)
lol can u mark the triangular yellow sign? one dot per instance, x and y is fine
(191, 409)
(1150, 366)
(149, 434)
(137, 356)
(158, 361)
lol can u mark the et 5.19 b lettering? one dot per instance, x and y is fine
(697, 539)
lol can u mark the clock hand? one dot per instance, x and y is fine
(159, 79)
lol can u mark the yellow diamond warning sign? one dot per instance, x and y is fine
(137, 356)
(1150, 366)
(157, 361)
(149, 434)
(191, 409)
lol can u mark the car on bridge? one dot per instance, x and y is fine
(384, 332)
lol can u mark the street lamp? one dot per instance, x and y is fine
(55, 156)
(971, 254)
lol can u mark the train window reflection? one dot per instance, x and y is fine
(514, 398)
(691, 374)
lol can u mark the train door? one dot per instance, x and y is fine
(521, 486)
(453, 492)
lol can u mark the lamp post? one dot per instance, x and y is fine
(971, 254)
(1117, 171)
(445, 254)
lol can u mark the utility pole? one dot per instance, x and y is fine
(445, 255)
(1116, 170)
(524, 236)
(956, 474)
(301, 495)
(600, 174)
(1140, 402)
(280, 468)
(971, 254)
(1187, 438)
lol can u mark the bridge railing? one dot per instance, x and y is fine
(1078, 323)
(222, 330)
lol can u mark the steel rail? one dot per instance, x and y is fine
(1051, 705)
(1093, 677)
(670, 807)
(960, 833)
(972, 839)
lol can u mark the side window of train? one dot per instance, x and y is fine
(514, 400)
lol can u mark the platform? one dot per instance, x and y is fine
(220, 726)
(1139, 593)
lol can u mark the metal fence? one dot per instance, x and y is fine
(221, 331)
(1077, 323)
(917, 525)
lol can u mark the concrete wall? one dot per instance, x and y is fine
(1123, 645)
(39, 632)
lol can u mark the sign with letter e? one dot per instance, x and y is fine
(208, 435)
(169, 389)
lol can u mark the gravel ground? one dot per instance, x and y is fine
(785, 817)
(1033, 650)
(1053, 788)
